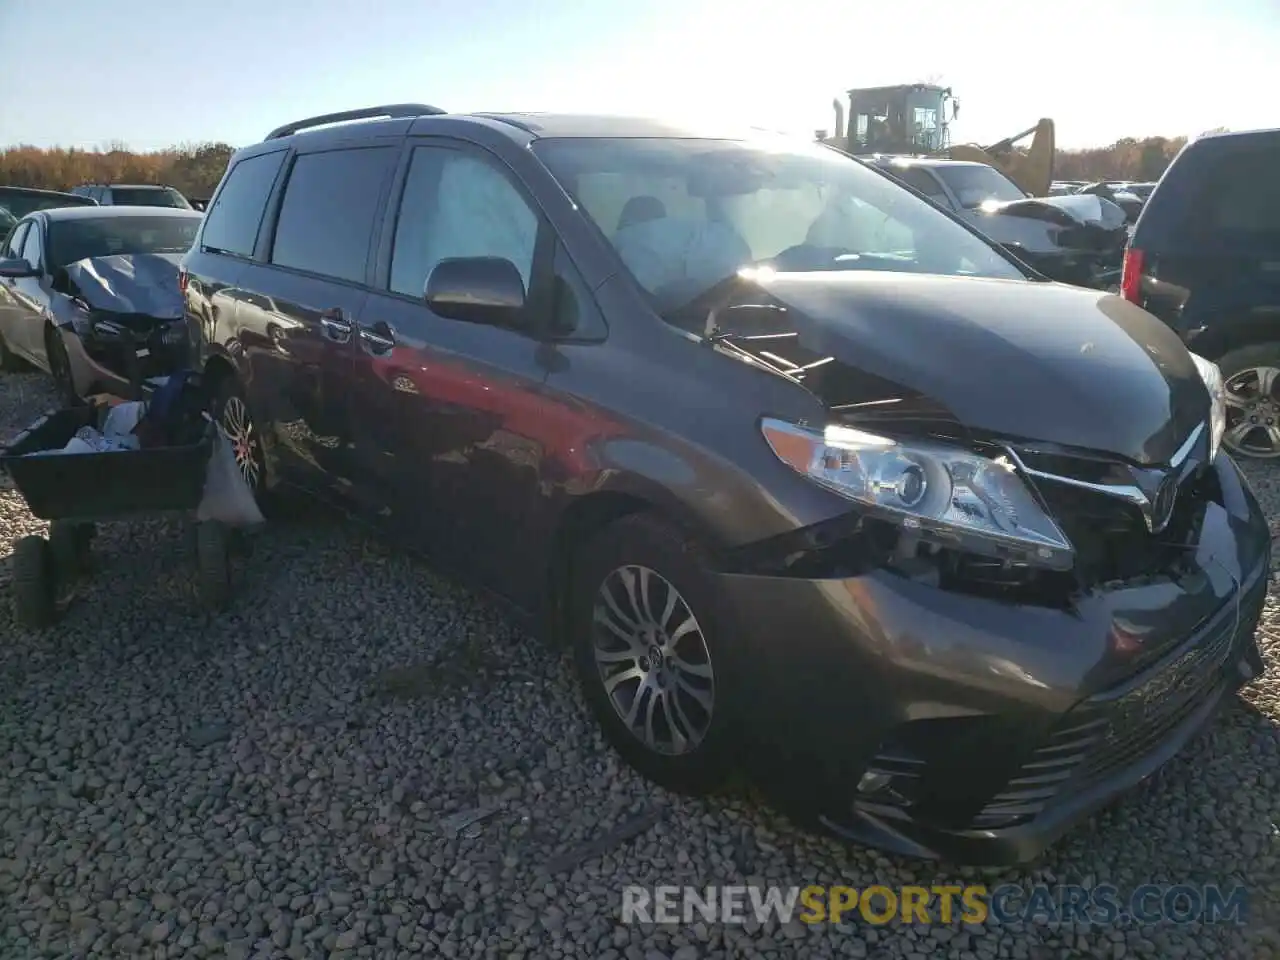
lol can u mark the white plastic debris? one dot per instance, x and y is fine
(228, 498)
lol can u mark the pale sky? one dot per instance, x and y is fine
(157, 72)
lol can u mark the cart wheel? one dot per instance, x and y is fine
(213, 556)
(69, 543)
(33, 583)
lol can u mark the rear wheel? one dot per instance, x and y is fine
(214, 563)
(1251, 376)
(33, 582)
(654, 666)
(246, 439)
(70, 545)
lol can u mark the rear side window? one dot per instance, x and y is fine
(329, 209)
(1240, 199)
(231, 224)
(149, 197)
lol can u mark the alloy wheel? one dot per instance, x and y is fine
(653, 660)
(239, 428)
(1253, 413)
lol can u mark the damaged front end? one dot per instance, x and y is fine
(1072, 239)
(952, 498)
(127, 311)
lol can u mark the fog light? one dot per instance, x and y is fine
(873, 782)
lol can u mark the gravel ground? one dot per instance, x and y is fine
(295, 779)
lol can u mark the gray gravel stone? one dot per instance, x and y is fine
(298, 778)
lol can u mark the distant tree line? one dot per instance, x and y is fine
(195, 169)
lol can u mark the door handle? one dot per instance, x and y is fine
(379, 336)
(336, 326)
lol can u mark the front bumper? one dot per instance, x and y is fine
(113, 368)
(981, 731)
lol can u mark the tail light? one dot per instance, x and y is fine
(1131, 275)
(182, 281)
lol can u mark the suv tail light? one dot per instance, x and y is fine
(182, 281)
(1131, 275)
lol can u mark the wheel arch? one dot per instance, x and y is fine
(588, 513)
(1225, 337)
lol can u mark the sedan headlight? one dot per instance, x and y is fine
(946, 495)
(1213, 382)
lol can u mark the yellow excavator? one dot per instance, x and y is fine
(914, 119)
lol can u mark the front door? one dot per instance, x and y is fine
(440, 407)
(9, 318)
(31, 298)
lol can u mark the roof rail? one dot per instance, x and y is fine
(391, 110)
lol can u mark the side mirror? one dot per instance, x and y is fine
(15, 268)
(486, 290)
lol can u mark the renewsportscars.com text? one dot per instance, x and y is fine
(1103, 904)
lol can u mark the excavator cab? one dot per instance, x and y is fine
(911, 118)
(915, 119)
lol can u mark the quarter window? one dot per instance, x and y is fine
(330, 205)
(457, 205)
(231, 223)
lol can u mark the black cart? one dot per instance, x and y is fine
(75, 491)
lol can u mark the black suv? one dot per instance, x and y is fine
(784, 453)
(133, 195)
(1205, 259)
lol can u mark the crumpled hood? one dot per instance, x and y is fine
(1064, 210)
(138, 283)
(1031, 361)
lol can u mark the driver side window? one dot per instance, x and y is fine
(458, 205)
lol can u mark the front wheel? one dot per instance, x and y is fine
(1251, 377)
(655, 668)
(9, 361)
(60, 368)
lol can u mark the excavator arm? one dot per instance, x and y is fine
(1032, 169)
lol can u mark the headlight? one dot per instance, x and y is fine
(1212, 378)
(946, 495)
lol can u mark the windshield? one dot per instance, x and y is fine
(975, 185)
(148, 197)
(72, 240)
(19, 203)
(684, 215)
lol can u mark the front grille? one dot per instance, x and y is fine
(1111, 731)
(1110, 536)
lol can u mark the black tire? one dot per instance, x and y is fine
(643, 540)
(231, 407)
(60, 368)
(1237, 361)
(34, 583)
(213, 561)
(70, 545)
